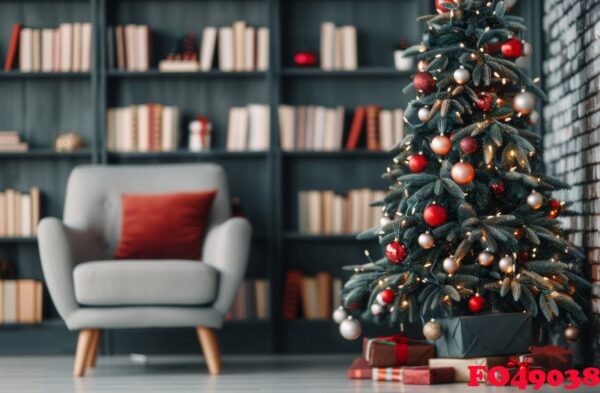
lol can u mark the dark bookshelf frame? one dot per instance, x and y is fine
(270, 178)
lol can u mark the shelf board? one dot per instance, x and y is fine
(44, 75)
(18, 240)
(154, 73)
(47, 153)
(361, 72)
(52, 323)
(189, 154)
(339, 154)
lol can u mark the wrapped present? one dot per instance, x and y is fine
(360, 369)
(537, 360)
(396, 351)
(484, 335)
(513, 367)
(425, 375)
(461, 366)
(554, 358)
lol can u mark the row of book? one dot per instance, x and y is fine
(339, 48)
(128, 47)
(249, 128)
(143, 128)
(310, 297)
(20, 301)
(19, 213)
(322, 129)
(241, 48)
(325, 213)
(252, 301)
(67, 48)
(10, 141)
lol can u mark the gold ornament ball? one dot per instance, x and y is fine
(462, 76)
(524, 103)
(432, 330)
(572, 333)
(451, 265)
(425, 240)
(535, 200)
(463, 173)
(441, 145)
(506, 264)
(486, 259)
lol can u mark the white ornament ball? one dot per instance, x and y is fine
(350, 329)
(534, 117)
(432, 330)
(535, 200)
(506, 264)
(462, 76)
(383, 221)
(377, 309)
(527, 49)
(423, 114)
(339, 315)
(425, 240)
(510, 3)
(451, 265)
(486, 259)
(524, 102)
(441, 145)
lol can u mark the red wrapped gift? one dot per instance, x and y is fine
(556, 358)
(396, 351)
(360, 369)
(531, 359)
(424, 375)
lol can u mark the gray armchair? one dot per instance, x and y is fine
(93, 292)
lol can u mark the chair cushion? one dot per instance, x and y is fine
(145, 282)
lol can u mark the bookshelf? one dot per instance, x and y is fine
(42, 105)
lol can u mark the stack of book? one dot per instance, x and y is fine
(325, 213)
(318, 295)
(240, 48)
(252, 301)
(67, 48)
(339, 48)
(19, 213)
(10, 141)
(249, 128)
(129, 47)
(143, 128)
(322, 129)
(20, 301)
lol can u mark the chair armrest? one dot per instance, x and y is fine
(226, 248)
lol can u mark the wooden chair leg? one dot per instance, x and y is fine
(83, 347)
(90, 362)
(210, 348)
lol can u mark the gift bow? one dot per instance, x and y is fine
(399, 341)
(514, 363)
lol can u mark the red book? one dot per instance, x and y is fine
(291, 296)
(12, 47)
(356, 128)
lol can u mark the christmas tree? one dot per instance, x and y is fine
(469, 225)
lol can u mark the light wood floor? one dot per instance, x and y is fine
(276, 374)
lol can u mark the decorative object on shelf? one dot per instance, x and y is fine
(524, 102)
(426, 240)
(7, 269)
(339, 315)
(396, 350)
(435, 215)
(535, 200)
(424, 82)
(432, 330)
(68, 143)
(183, 56)
(10, 142)
(463, 173)
(486, 258)
(350, 328)
(199, 134)
(477, 304)
(417, 163)
(572, 333)
(396, 252)
(441, 145)
(469, 145)
(401, 62)
(506, 264)
(306, 58)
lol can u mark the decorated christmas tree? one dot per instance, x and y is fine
(468, 225)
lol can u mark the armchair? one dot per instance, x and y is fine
(93, 292)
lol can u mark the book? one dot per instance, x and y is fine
(86, 48)
(39, 299)
(286, 126)
(13, 45)
(373, 128)
(226, 49)
(300, 130)
(170, 128)
(207, 50)
(11, 212)
(318, 141)
(262, 298)
(250, 49)
(3, 216)
(356, 128)
(131, 47)
(77, 48)
(262, 49)
(259, 129)
(142, 43)
(178, 66)
(398, 125)
(10, 301)
(349, 48)
(291, 296)
(111, 49)
(314, 212)
(143, 134)
(325, 294)
(56, 54)
(239, 39)
(26, 50)
(338, 47)
(310, 300)
(120, 47)
(327, 50)
(66, 47)
(25, 209)
(26, 301)
(327, 201)
(9, 138)
(35, 208)
(36, 50)
(47, 50)
(386, 129)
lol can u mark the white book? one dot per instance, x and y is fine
(309, 139)
(25, 216)
(207, 50)
(366, 210)
(329, 139)
(250, 49)
(287, 122)
(3, 218)
(242, 128)
(131, 49)
(56, 55)
(398, 125)
(86, 47)
(230, 143)
(76, 60)
(10, 301)
(314, 212)
(143, 48)
(36, 39)
(339, 123)
(111, 129)
(66, 47)
(226, 49)
(319, 128)
(386, 129)
(11, 213)
(327, 45)
(338, 215)
(35, 209)
(239, 40)
(143, 128)
(262, 50)
(170, 128)
(129, 139)
(338, 48)
(47, 50)
(26, 50)
(350, 48)
(259, 127)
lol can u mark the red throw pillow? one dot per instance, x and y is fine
(164, 226)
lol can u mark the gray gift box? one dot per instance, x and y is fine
(484, 335)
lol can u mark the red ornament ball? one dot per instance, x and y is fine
(396, 252)
(424, 82)
(417, 163)
(513, 48)
(305, 59)
(440, 7)
(435, 215)
(492, 47)
(498, 187)
(484, 103)
(519, 232)
(469, 145)
(553, 214)
(554, 204)
(387, 296)
(476, 304)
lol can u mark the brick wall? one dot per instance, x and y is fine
(572, 117)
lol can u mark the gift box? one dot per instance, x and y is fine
(424, 375)
(514, 365)
(512, 371)
(396, 351)
(461, 366)
(536, 360)
(551, 357)
(484, 335)
(360, 369)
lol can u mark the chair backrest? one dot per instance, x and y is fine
(93, 200)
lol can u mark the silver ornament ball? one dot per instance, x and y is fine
(383, 221)
(524, 103)
(350, 328)
(451, 265)
(339, 314)
(506, 264)
(486, 258)
(462, 76)
(534, 117)
(527, 49)
(377, 309)
(535, 200)
(426, 240)
(423, 114)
